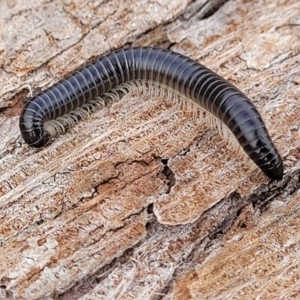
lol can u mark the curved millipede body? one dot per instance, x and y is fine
(193, 80)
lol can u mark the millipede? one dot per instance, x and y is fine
(204, 87)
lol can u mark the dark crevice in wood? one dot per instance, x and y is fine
(198, 12)
(169, 174)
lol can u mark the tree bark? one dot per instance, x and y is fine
(142, 199)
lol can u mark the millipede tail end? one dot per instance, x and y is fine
(274, 169)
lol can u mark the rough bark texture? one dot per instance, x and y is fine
(141, 200)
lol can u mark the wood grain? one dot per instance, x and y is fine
(143, 200)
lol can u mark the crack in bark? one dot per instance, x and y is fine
(199, 11)
(169, 174)
(262, 198)
(235, 204)
(236, 208)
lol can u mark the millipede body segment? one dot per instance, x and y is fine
(193, 80)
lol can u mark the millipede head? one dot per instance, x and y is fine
(35, 137)
(37, 140)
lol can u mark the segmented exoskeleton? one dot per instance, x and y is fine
(193, 80)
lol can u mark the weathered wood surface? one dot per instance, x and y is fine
(141, 200)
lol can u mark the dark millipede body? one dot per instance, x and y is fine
(193, 80)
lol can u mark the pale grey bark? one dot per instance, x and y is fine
(142, 200)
